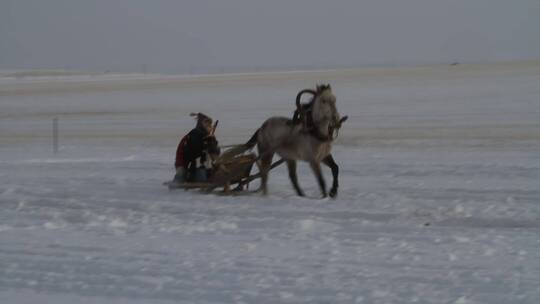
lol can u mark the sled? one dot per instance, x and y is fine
(227, 173)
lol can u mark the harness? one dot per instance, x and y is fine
(315, 133)
(307, 123)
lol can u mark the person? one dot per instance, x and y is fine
(195, 150)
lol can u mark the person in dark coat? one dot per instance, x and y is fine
(193, 151)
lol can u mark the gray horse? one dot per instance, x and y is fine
(308, 138)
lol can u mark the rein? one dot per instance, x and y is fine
(336, 130)
(331, 130)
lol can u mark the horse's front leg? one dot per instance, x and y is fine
(291, 165)
(329, 161)
(316, 167)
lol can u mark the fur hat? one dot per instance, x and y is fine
(201, 117)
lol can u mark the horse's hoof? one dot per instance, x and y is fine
(333, 193)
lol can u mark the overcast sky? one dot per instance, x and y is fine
(170, 35)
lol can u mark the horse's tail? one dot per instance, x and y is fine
(241, 148)
(252, 141)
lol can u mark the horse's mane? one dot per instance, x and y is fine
(323, 87)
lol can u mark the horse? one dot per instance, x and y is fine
(308, 138)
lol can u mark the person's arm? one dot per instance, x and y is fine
(192, 151)
(212, 145)
(194, 146)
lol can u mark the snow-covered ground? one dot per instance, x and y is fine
(439, 199)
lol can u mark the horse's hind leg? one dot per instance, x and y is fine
(291, 165)
(320, 178)
(329, 161)
(266, 162)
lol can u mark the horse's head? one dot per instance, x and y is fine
(324, 112)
